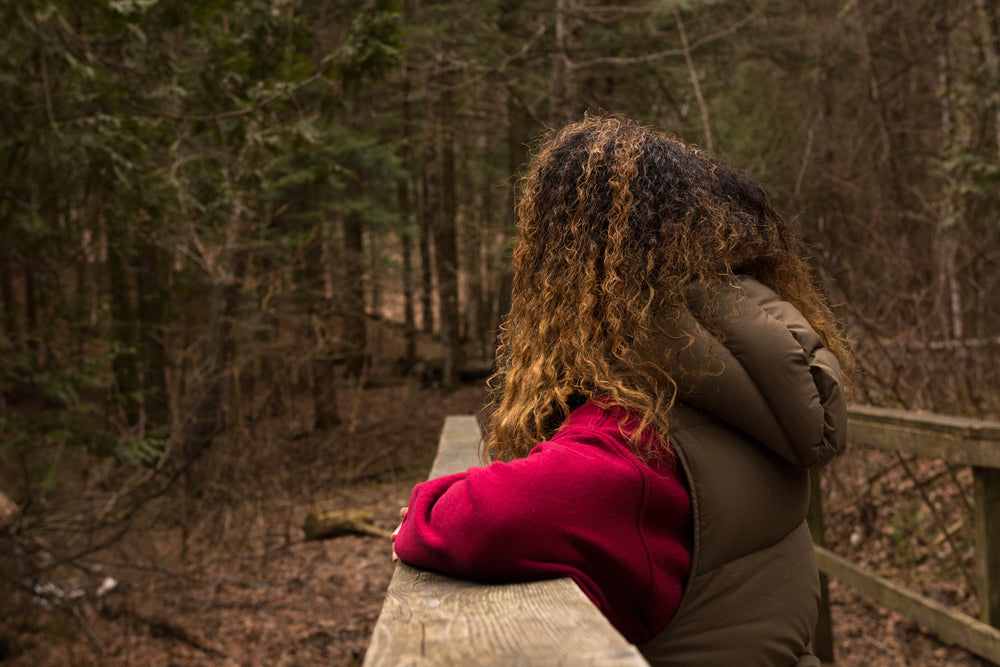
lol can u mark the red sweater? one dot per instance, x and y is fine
(580, 505)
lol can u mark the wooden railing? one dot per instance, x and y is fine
(957, 441)
(430, 619)
(434, 620)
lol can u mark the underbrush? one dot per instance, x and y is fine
(215, 568)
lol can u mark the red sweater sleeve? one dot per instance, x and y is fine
(580, 505)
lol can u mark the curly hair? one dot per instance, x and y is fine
(617, 224)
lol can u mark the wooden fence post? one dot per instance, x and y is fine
(822, 644)
(986, 513)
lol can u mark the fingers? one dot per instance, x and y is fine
(392, 536)
(402, 515)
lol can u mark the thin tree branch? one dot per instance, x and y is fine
(523, 51)
(800, 177)
(48, 95)
(669, 53)
(235, 113)
(621, 60)
(694, 79)
(969, 578)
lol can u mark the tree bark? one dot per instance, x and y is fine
(325, 409)
(31, 314)
(374, 303)
(8, 316)
(521, 125)
(949, 220)
(519, 129)
(355, 326)
(426, 265)
(477, 267)
(429, 212)
(560, 77)
(409, 314)
(326, 413)
(445, 242)
(219, 347)
(988, 21)
(426, 190)
(405, 203)
(124, 326)
(154, 299)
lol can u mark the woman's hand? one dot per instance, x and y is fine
(402, 516)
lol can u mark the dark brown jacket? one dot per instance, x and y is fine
(772, 407)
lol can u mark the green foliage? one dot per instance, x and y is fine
(56, 418)
(135, 131)
(139, 127)
(372, 45)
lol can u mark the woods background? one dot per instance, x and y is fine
(218, 213)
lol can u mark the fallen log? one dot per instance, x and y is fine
(334, 523)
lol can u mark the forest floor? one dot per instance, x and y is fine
(230, 579)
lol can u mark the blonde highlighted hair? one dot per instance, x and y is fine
(616, 224)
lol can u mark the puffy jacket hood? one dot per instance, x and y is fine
(769, 405)
(769, 375)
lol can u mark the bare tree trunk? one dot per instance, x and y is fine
(948, 229)
(219, 347)
(405, 202)
(8, 315)
(325, 409)
(154, 299)
(430, 209)
(560, 77)
(373, 253)
(521, 124)
(519, 129)
(409, 313)
(487, 316)
(375, 333)
(988, 20)
(31, 314)
(355, 326)
(445, 242)
(318, 256)
(426, 263)
(123, 326)
(478, 265)
(427, 190)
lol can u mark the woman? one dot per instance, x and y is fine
(666, 376)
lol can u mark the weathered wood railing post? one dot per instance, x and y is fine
(822, 645)
(956, 440)
(986, 512)
(428, 619)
